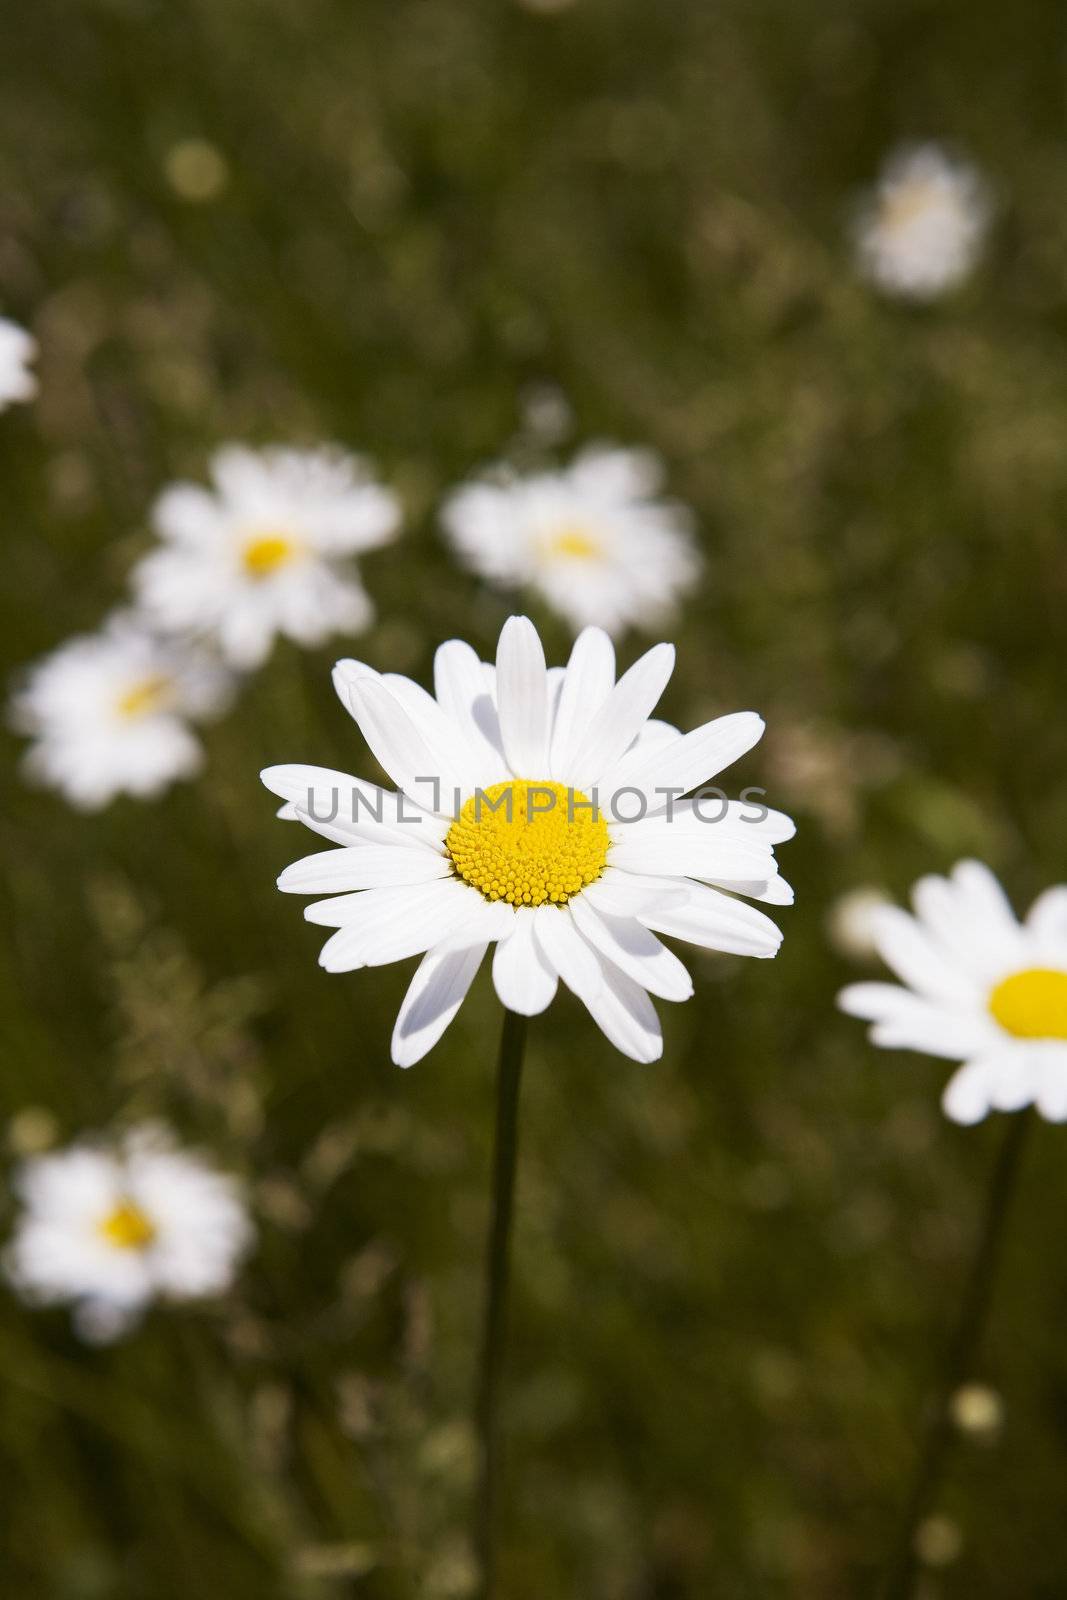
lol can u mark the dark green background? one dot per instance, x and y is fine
(735, 1269)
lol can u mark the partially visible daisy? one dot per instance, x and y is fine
(592, 539)
(504, 846)
(108, 713)
(851, 922)
(108, 1230)
(980, 987)
(17, 349)
(919, 232)
(267, 551)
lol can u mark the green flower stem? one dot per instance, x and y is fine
(974, 1309)
(509, 1074)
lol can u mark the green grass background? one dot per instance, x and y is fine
(735, 1269)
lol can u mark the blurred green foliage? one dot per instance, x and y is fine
(735, 1269)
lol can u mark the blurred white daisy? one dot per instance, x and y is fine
(592, 539)
(504, 846)
(919, 233)
(851, 922)
(107, 713)
(17, 349)
(268, 550)
(110, 1229)
(981, 988)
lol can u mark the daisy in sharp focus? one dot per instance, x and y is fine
(503, 846)
(109, 1230)
(980, 987)
(592, 539)
(919, 232)
(17, 349)
(108, 713)
(267, 551)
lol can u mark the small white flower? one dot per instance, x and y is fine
(267, 551)
(592, 539)
(508, 851)
(851, 923)
(981, 988)
(920, 231)
(17, 349)
(109, 1230)
(107, 713)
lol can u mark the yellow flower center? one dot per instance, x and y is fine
(144, 698)
(267, 552)
(528, 843)
(906, 202)
(573, 542)
(1032, 1004)
(127, 1227)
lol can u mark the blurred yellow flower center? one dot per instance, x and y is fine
(266, 553)
(906, 202)
(574, 542)
(528, 843)
(1032, 1004)
(144, 698)
(127, 1227)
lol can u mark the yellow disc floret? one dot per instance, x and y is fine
(1032, 1004)
(267, 552)
(127, 1227)
(144, 698)
(528, 843)
(572, 541)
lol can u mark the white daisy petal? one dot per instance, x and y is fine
(773, 891)
(414, 763)
(622, 1011)
(967, 1096)
(1047, 917)
(17, 349)
(691, 759)
(913, 956)
(590, 678)
(566, 952)
(463, 693)
(984, 897)
(689, 854)
(634, 949)
(434, 996)
(396, 923)
(349, 810)
(716, 922)
(906, 1021)
(616, 725)
(522, 697)
(628, 894)
(1050, 1096)
(363, 866)
(524, 979)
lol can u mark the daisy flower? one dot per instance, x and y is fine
(979, 987)
(109, 1230)
(491, 837)
(920, 231)
(267, 550)
(591, 539)
(17, 349)
(107, 713)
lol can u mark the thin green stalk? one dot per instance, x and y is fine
(505, 1151)
(974, 1308)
